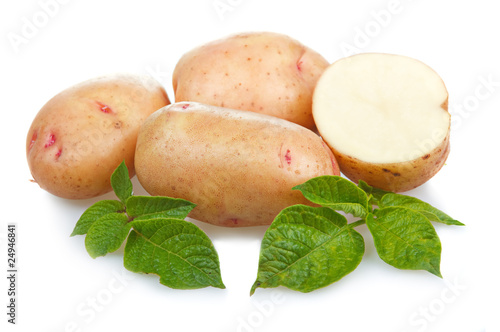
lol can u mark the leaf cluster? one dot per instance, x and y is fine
(304, 249)
(307, 248)
(158, 239)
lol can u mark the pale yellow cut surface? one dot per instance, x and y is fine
(381, 108)
(386, 119)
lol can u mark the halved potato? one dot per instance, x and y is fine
(386, 119)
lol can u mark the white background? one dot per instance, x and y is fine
(60, 288)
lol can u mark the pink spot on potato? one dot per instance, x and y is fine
(33, 140)
(58, 154)
(185, 106)
(299, 65)
(104, 108)
(50, 141)
(288, 157)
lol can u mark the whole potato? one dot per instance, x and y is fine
(239, 167)
(261, 72)
(82, 134)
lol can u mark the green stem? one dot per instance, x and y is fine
(357, 223)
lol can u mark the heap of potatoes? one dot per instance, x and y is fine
(241, 133)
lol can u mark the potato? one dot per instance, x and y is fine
(83, 133)
(386, 119)
(262, 72)
(239, 167)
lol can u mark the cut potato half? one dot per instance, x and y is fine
(386, 119)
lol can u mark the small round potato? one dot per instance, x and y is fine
(262, 72)
(238, 167)
(83, 133)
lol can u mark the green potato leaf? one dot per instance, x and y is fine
(120, 181)
(433, 214)
(94, 212)
(176, 250)
(107, 234)
(307, 248)
(405, 239)
(150, 207)
(336, 193)
(375, 194)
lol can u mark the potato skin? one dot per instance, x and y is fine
(239, 167)
(395, 177)
(82, 134)
(262, 72)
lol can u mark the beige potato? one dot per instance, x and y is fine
(261, 72)
(239, 167)
(386, 119)
(83, 133)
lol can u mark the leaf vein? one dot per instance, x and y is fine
(155, 245)
(305, 256)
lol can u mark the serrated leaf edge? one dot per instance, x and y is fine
(107, 252)
(127, 183)
(348, 228)
(90, 207)
(337, 179)
(178, 221)
(436, 270)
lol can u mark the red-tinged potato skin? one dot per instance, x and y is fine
(238, 167)
(262, 72)
(82, 134)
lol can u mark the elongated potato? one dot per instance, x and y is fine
(83, 133)
(239, 167)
